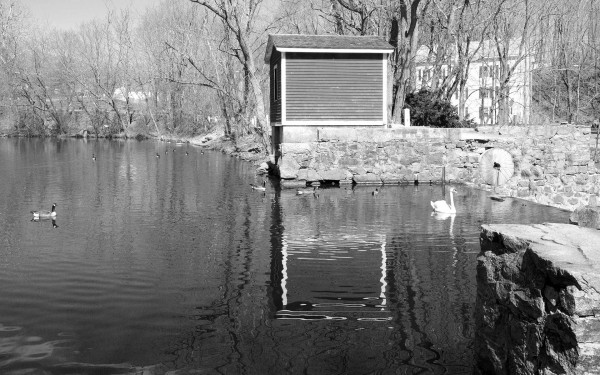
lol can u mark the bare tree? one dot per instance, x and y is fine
(106, 52)
(12, 35)
(405, 37)
(239, 19)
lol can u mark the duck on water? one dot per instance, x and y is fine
(259, 187)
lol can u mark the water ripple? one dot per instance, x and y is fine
(174, 265)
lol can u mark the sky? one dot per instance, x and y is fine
(69, 14)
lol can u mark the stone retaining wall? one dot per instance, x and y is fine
(538, 300)
(552, 164)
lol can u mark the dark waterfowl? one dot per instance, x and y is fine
(45, 214)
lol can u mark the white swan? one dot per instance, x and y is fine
(443, 207)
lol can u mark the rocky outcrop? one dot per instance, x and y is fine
(538, 300)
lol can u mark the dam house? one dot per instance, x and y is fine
(319, 81)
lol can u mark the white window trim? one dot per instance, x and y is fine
(385, 86)
(283, 83)
(332, 123)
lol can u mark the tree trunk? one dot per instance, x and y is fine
(408, 35)
(261, 118)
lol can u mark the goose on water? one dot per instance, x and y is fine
(42, 214)
(94, 157)
(375, 192)
(258, 187)
(443, 207)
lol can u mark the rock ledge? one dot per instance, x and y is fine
(538, 300)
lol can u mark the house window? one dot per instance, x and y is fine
(420, 74)
(275, 83)
(483, 71)
(484, 114)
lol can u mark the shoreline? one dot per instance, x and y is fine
(246, 148)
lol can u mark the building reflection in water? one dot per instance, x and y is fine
(332, 278)
(384, 268)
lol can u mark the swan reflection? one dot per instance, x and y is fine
(443, 215)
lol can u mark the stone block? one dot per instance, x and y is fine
(288, 168)
(299, 134)
(571, 170)
(525, 173)
(367, 179)
(436, 158)
(308, 174)
(391, 178)
(334, 174)
(296, 148)
(586, 216)
(292, 184)
(473, 157)
(337, 134)
(579, 158)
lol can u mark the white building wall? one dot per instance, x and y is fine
(482, 87)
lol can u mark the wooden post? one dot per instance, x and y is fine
(406, 117)
(443, 175)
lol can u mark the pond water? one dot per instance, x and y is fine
(172, 264)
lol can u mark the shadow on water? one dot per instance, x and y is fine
(174, 263)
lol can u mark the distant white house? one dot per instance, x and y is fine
(134, 96)
(483, 82)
